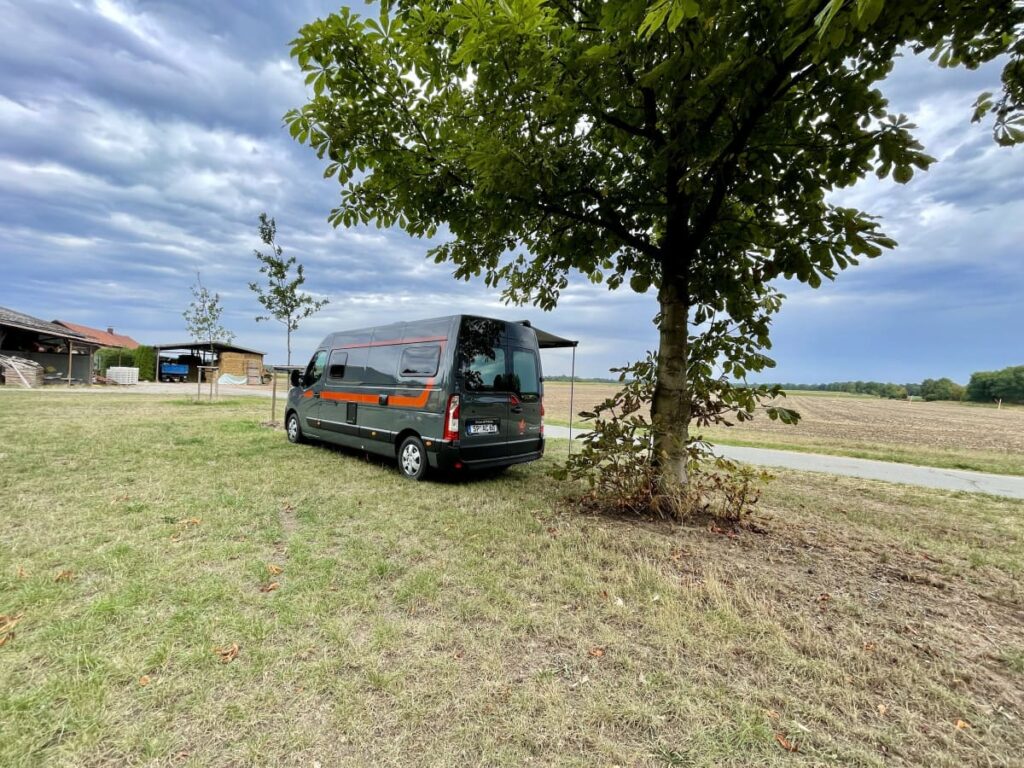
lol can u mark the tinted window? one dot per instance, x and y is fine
(485, 372)
(382, 366)
(355, 368)
(315, 369)
(525, 380)
(419, 361)
(336, 365)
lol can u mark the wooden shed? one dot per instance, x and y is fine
(248, 364)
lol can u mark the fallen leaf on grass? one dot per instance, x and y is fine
(144, 681)
(597, 652)
(274, 569)
(772, 714)
(7, 625)
(785, 743)
(869, 647)
(227, 653)
(21, 573)
(186, 522)
(962, 725)
(64, 576)
(882, 710)
(270, 587)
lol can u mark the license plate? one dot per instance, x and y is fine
(482, 428)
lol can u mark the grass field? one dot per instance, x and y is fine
(382, 622)
(940, 434)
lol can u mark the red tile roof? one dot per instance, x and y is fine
(103, 338)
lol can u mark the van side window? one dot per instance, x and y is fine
(382, 366)
(485, 372)
(336, 365)
(315, 369)
(525, 380)
(419, 361)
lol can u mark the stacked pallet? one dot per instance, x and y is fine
(123, 375)
(19, 372)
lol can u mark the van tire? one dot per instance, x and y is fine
(293, 428)
(412, 458)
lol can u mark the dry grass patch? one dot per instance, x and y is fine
(454, 624)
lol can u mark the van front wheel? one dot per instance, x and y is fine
(412, 458)
(293, 428)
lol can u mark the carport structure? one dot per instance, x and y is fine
(227, 358)
(46, 343)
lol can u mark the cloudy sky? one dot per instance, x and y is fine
(140, 140)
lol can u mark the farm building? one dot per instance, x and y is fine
(60, 355)
(106, 339)
(229, 359)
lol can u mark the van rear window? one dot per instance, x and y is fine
(419, 361)
(525, 378)
(485, 372)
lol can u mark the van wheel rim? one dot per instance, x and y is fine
(411, 459)
(293, 428)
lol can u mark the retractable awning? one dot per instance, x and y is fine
(549, 341)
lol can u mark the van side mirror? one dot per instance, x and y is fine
(295, 380)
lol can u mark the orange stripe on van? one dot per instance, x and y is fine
(403, 401)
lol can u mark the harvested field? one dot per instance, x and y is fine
(938, 434)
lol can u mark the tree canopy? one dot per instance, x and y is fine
(684, 145)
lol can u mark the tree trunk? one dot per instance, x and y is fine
(670, 405)
(289, 345)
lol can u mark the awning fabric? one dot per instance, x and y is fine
(549, 341)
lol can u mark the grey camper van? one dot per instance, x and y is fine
(449, 393)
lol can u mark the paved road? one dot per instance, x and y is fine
(888, 471)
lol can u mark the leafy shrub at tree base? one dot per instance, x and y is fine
(617, 463)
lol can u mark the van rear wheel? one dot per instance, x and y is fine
(412, 458)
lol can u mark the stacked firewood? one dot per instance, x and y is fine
(19, 372)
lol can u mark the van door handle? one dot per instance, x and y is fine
(517, 409)
(316, 394)
(382, 399)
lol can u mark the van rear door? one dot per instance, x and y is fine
(484, 406)
(525, 409)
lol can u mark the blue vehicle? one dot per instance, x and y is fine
(173, 372)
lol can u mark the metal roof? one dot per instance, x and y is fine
(218, 346)
(15, 319)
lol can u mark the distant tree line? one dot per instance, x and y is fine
(1006, 385)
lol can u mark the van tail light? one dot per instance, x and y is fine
(451, 419)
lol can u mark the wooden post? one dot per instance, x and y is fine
(92, 351)
(71, 346)
(273, 395)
